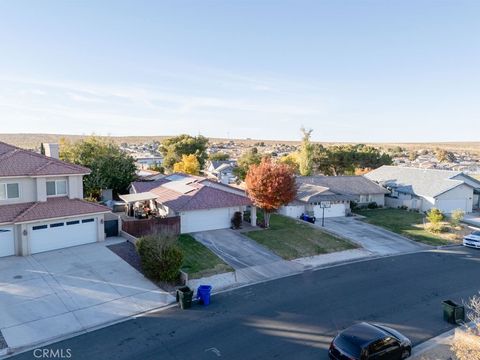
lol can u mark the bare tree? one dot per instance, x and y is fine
(466, 342)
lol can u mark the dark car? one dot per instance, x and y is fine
(308, 218)
(366, 341)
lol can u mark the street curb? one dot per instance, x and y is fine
(16, 351)
(431, 343)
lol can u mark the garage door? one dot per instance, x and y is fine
(448, 206)
(7, 242)
(61, 234)
(202, 220)
(335, 210)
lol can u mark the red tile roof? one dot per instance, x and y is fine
(50, 209)
(202, 197)
(20, 162)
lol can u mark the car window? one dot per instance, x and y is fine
(477, 233)
(346, 346)
(382, 344)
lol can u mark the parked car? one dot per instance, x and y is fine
(365, 341)
(472, 240)
(308, 218)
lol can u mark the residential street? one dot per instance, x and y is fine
(295, 317)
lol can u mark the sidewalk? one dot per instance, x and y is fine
(437, 348)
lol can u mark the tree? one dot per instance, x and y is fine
(218, 156)
(457, 217)
(306, 153)
(174, 148)
(292, 161)
(188, 165)
(111, 168)
(249, 158)
(435, 218)
(270, 185)
(412, 155)
(466, 342)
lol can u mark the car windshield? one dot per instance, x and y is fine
(476, 233)
(346, 346)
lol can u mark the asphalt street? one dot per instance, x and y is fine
(294, 317)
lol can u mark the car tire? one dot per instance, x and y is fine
(406, 353)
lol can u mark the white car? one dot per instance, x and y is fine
(472, 240)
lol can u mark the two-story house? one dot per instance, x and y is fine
(42, 206)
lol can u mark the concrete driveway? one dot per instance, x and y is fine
(372, 238)
(473, 219)
(61, 292)
(236, 249)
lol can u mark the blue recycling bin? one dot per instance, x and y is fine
(203, 294)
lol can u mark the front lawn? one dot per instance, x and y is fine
(408, 224)
(292, 239)
(198, 260)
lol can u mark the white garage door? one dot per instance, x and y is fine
(336, 210)
(202, 220)
(448, 206)
(62, 233)
(7, 245)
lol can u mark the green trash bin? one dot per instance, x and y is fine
(184, 297)
(453, 312)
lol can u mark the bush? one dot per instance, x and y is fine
(372, 205)
(160, 257)
(435, 228)
(237, 220)
(457, 217)
(403, 207)
(353, 205)
(435, 216)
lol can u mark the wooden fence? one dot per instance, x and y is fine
(141, 227)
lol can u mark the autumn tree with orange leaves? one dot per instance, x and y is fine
(270, 185)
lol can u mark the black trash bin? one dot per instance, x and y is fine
(184, 297)
(453, 312)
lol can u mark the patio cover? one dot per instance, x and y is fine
(144, 196)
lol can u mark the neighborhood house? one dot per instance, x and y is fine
(200, 203)
(423, 189)
(222, 171)
(41, 206)
(332, 195)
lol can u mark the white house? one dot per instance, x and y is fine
(423, 189)
(41, 206)
(332, 195)
(222, 170)
(201, 204)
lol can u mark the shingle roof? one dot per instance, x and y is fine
(344, 185)
(20, 162)
(423, 182)
(200, 197)
(50, 209)
(314, 193)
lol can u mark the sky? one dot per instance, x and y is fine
(356, 71)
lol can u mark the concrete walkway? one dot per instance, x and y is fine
(236, 249)
(57, 293)
(372, 238)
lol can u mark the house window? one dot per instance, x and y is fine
(9, 191)
(57, 188)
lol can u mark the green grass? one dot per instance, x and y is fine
(402, 222)
(198, 260)
(292, 239)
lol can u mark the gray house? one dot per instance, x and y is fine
(423, 189)
(336, 191)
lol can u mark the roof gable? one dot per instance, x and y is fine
(20, 162)
(344, 185)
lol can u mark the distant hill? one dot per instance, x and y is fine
(32, 141)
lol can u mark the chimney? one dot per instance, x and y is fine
(52, 150)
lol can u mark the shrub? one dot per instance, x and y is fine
(237, 220)
(435, 216)
(457, 217)
(353, 205)
(372, 205)
(160, 257)
(435, 227)
(403, 207)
